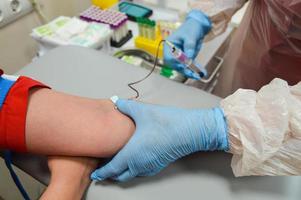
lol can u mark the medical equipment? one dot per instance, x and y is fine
(172, 74)
(182, 58)
(150, 46)
(150, 73)
(167, 28)
(134, 11)
(138, 53)
(149, 37)
(111, 17)
(145, 60)
(121, 35)
(114, 99)
(116, 20)
(147, 28)
(104, 4)
(72, 31)
(189, 36)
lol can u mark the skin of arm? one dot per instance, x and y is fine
(61, 124)
(69, 177)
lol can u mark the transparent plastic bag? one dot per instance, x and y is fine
(265, 130)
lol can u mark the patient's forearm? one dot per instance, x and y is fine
(70, 177)
(60, 124)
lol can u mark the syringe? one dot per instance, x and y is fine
(189, 63)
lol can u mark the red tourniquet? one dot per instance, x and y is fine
(13, 114)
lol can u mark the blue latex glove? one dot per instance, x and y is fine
(163, 135)
(189, 39)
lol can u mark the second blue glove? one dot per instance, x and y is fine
(189, 39)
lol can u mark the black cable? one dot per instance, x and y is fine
(150, 73)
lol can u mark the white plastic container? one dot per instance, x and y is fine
(72, 31)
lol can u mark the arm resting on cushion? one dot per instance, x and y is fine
(61, 124)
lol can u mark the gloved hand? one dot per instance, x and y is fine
(189, 39)
(163, 135)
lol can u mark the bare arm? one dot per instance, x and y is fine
(69, 177)
(61, 124)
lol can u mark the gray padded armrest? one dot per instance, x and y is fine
(90, 73)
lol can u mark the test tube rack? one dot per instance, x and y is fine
(116, 20)
(147, 28)
(167, 28)
(104, 4)
(149, 37)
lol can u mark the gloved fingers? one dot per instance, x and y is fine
(128, 107)
(198, 48)
(151, 173)
(128, 175)
(187, 72)
(168, 58)
(190, 48)
(180, 67)
(176, 39)
(124, 177)
(115, 167)
(202, 69)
